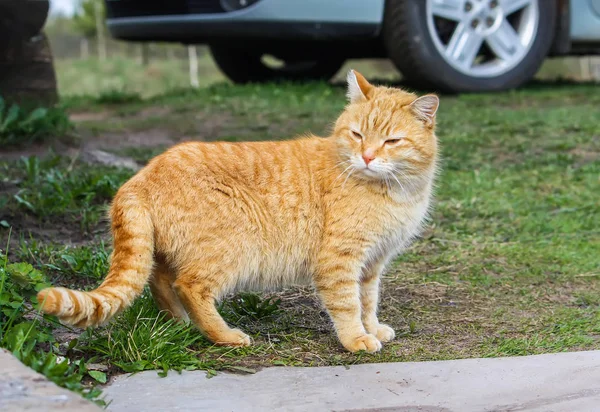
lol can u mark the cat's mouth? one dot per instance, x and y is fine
(371, 173)
(375, 170)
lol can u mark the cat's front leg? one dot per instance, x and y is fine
(369, 299)
(338, 284)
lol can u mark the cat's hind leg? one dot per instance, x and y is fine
(161, 286)
(198, 290)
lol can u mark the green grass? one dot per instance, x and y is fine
(143, 339)
(58, 188)
(509, 265)
(122, 75)
(66, 263)
(22, 125)
(29, 337)
(116, 96)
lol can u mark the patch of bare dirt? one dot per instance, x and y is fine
(585, 156)
(176, 128)
(152, 111)
(100, 157)
(147, 138)
(211, 127)
(78, 117)
(149, 112)
(35, 149)
(59, 230)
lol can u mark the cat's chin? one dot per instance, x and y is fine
(371, 174)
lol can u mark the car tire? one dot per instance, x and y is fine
(243, 66)
(409, 37)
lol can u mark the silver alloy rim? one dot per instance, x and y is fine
(483, 38)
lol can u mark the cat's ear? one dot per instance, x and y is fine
(425, 107)
(358, 87)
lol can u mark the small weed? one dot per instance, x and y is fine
(19, 283)
(251, 306)
(116, 96)
(19, 126)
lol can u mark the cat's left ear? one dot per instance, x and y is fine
(359, 88)
(425, 108)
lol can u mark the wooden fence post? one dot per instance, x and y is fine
(193, 58)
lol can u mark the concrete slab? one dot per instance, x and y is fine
(23, 389)
(567, 382)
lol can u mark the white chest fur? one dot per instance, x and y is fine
(405, 222)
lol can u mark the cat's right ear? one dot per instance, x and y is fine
(358, 87)
(425, 108)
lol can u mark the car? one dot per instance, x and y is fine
(449, 45)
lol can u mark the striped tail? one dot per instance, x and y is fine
(130, 268)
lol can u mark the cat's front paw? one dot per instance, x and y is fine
(234, 337)
(368, 343)
(384, 333)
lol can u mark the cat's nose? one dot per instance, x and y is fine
(368, 157)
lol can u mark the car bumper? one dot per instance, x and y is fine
(279, 19)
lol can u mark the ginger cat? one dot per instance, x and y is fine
(205, 219)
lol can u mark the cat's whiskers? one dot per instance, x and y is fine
(412, 183)
(339, 164)
(343, 172)
(347, 177)
(399, 171)
(394, 172)
(388, 183)
(407, 167)
(399, 184)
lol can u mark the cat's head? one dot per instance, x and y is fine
(386, 132)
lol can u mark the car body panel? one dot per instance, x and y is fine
(334, 11)
(269, 18)
(585, 20)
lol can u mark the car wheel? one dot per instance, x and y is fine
(244, 66)
(469, 45)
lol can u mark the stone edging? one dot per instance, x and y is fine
(23, 389)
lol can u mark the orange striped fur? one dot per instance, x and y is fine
(206, 219)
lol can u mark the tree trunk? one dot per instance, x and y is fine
(26, 66)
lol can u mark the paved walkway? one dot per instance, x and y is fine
(22, 389)
(567, 382)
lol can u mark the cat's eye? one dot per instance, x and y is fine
(356, 135)
(392, 141)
